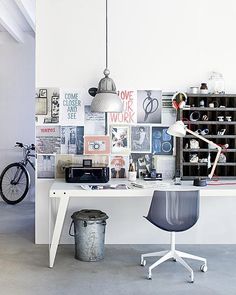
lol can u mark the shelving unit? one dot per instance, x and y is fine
(225, 106)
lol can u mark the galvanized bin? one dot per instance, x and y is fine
(89, 233)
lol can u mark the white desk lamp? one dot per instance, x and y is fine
(178, 129)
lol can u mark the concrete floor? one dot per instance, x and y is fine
(24, 267)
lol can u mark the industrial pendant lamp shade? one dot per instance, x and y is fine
(106, 98)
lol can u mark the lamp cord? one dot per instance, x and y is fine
(106, 35)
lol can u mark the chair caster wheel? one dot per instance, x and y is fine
(149, 277)
(191, 279)
(143, 262)
(174, 259)
(203, 268)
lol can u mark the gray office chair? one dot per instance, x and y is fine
(174, 211)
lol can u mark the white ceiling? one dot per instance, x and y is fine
(17, 17)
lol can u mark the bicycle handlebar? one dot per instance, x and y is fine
(21, 145)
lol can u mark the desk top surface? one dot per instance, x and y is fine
(60, 188)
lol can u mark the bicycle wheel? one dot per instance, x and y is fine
(14, 183)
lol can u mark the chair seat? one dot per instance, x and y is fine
(174, 211)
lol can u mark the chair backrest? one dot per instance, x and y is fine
(174, 210)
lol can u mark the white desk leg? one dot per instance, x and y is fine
(58, 228)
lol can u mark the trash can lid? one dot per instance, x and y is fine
(89, 214)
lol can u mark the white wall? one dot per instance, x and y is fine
(17, 92)
(154, 44)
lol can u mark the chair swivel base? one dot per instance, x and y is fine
(176, 256)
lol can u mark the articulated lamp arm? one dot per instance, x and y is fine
(213, 144)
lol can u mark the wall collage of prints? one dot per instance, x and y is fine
(68, 132)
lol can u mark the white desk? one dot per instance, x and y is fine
(64, 191)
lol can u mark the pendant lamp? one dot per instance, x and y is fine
(106, 98)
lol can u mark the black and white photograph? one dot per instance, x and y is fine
(47, 105)
(119, 139)
(55, 106)
(143, 163)
(48, 140)
(94, 123)
(72, 140)
(162, 142)
(42, 93)
(140, 139)
(46, 166)
(149, 106)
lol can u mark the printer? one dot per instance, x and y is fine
(86, 173)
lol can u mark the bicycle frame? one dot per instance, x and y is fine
(24, 162)
(27, 156)
(17, 176)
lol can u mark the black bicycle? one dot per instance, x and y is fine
(15, 178)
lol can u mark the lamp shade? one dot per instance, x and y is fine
(106, 102)
(178, 129)
(106, 99)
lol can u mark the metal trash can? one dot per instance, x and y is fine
(89, 233)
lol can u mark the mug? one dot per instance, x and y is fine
(132, 175)
(211, 105)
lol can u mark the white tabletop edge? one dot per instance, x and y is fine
(60, 188)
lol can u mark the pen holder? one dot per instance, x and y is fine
(132, 175)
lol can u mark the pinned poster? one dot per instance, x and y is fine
(94, 123)
(129, 114)
(47, 105)
(149, 106)
(72, 108)
(48, 140)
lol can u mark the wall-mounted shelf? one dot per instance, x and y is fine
(205, 164)
(209, 122)
(190, 170)
(213, 136)
(208, 150)
(204, 109)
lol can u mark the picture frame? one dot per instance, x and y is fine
(143, 163)
(162, 142)
(55, 106)
(41, 106)
(96, 145)
(149, 106)
(120, 139)
(119, 166)
(140, 139)
(43, 93)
